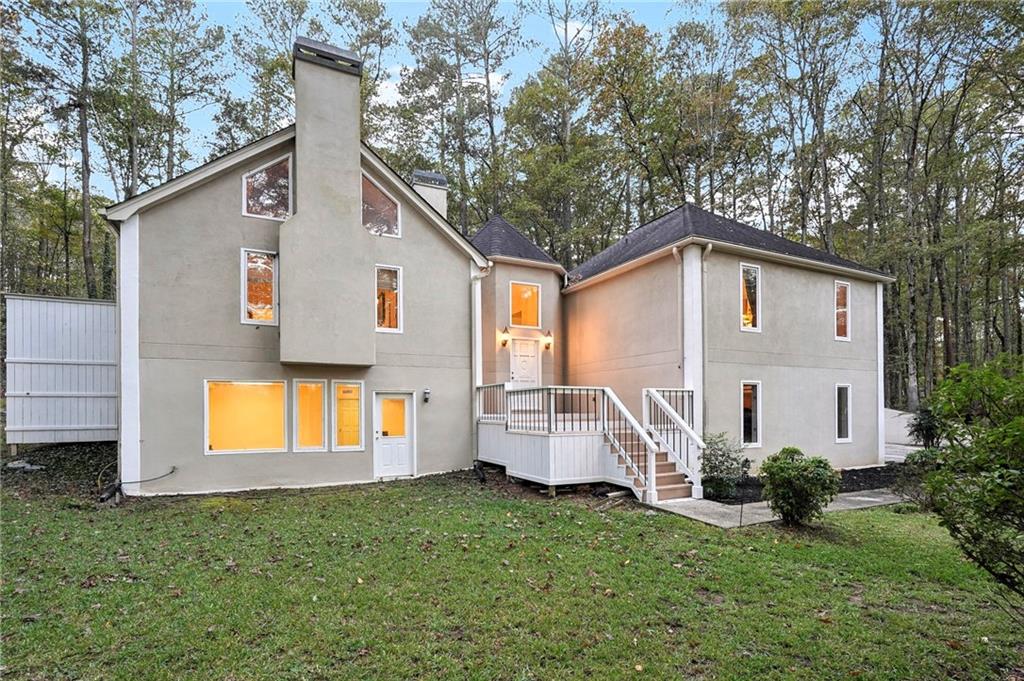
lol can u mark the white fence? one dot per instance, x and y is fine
(61, 370)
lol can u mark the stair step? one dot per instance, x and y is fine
(675, 492)
(665, 467)
(668, 479)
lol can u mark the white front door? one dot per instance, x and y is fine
(392, 435)
(525, 360)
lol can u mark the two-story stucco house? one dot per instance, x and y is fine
(296, 314)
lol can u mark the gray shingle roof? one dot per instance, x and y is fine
(498, 237)
(690, 221)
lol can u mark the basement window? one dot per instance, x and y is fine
(267, 191)
(524, 304)
(310, 413)
(842, 310)
(843, 413)
(389, 299)
(750, 297)
(380, 210)
(245, 416)
(259, 287)
(750, 409)
(348, 416)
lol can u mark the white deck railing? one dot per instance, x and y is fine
(662, 418)
(563, 409)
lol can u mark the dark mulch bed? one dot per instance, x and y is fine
(853, 480)
(69, 469)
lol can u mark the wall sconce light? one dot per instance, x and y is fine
(426, 394)
(505, 337)
(548, 339)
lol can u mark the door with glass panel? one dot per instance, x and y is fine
(393, 435)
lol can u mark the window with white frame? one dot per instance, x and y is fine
(267, 191)
(244, 416)
(309, 398)
(750, 413)
(524, 304)
(259, 287)
(750, 297)
(389, 298)
(842, 310)
(347, 401)
(381, 213)
(843, 430)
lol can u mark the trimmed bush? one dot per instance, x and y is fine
(925, 427)
(722, 466)
(798, 488)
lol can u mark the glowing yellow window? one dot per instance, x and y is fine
(260, 271)
(309, 415)
(347, 412)
(389, 301)
(392, 417)
(245, 416)
(750, 297)
(525, 304)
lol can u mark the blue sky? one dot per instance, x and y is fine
(658, 16)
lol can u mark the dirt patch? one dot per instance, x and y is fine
(594, 497)
(75, 469)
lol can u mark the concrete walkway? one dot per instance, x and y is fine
(727, 516)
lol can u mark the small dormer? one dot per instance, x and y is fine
(521, 309)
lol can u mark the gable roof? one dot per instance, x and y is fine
(122, 211)
(688, 222)
(498, 238)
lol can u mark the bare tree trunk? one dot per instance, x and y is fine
(83, 141)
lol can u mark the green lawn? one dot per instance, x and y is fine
(444, 578)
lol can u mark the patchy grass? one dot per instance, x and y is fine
(443, 577)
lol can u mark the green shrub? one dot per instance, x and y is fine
(978, 486)
(925, 427)
(722, 466)
(910, 482)
(798, 488)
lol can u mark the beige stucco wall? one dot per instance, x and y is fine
(625, 332)
(495, 316)
(796, 358)
(190, 330)
(326, 254)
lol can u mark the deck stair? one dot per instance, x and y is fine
(573, 434)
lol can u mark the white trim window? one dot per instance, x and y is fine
(267, 190)
(841, 299)
(382, 213)
(348, 404)
(750, 413)
(309, 415)
(844, 413)
(388, 293)
(259, 287)
(524, 305)
(750, 297)
(244, 416)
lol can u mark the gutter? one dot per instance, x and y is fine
(727, 247)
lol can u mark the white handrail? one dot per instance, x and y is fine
(631, 420)
(693, 471)
(676, 418)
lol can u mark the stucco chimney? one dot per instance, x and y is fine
(326, 264)
(434, 188)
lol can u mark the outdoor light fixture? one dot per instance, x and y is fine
(548, 339)
(426, 394)
(505, 337)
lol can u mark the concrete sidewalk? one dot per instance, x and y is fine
(727, 516)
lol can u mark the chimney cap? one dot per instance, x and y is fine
(317, 52)
(429, 177)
